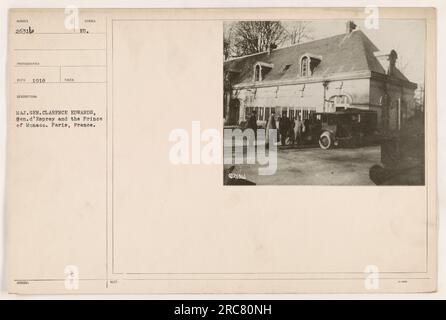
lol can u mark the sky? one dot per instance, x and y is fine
(406, 37)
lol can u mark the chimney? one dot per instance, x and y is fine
(387, 60)
(271, 47)
(393, 56)
(350, 26)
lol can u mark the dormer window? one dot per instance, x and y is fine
(304, 67)
(260, 70)
(340, 102)
(230, 74)
(257, 73)
(308, 63)
(285, 69)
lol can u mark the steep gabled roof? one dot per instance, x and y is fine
(341, 53)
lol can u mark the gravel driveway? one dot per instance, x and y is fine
(314, 166)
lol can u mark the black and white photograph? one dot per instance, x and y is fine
(135, 137)
(324, 102)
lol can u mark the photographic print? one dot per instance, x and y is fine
(122, 124)
(324, 102)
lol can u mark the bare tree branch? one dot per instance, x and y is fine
(298, 31)
(248, 37)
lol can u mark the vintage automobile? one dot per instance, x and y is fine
(329, 129)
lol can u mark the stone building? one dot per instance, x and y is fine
(325, 75)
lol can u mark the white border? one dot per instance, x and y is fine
(441, 99)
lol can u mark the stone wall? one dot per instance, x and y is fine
(394, 103)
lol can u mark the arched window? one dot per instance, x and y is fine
(261, 69)
(340, 102)
(257, 73)
(304, 66)
(308, 62)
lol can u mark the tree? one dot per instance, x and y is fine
(419, 97)
(226, 48)
(248, 37)
(298, 31)
(227, 40)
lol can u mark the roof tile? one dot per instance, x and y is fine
(340, 53)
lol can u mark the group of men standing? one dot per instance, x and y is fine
(289, 130)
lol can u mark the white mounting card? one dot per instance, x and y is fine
(263, 150)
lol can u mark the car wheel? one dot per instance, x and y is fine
(326, 140)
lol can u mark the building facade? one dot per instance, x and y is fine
(325, 75)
